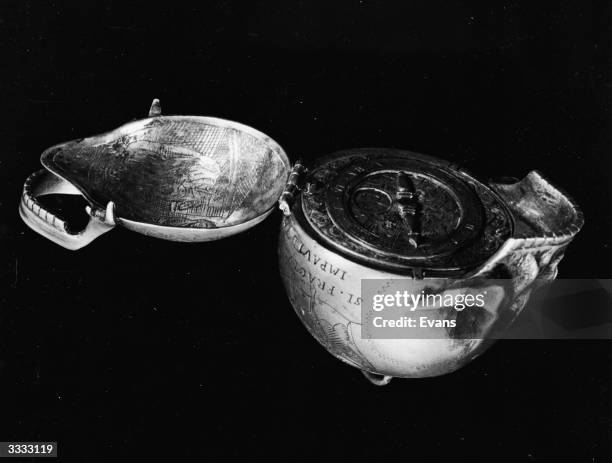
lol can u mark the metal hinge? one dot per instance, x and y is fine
(291, 188)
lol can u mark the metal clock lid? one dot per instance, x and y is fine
(403, 211)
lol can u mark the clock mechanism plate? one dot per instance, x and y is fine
(402, 210)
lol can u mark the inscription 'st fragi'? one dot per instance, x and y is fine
(387, 214)
(358, 214)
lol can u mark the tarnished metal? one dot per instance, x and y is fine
(360, 216)
(403, 211)
(407, 201)
(184, 178)
(365, 213)
(291, 189)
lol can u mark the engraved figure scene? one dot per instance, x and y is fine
(176, 171)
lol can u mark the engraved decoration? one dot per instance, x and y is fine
(525, 230)
(176, 172)
(354, 202)
(179, 178)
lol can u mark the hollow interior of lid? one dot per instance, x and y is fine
(176, 171)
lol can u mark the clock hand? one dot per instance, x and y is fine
(408, 207)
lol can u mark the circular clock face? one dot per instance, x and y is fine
(403, 210)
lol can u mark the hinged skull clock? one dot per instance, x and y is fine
(367, 213)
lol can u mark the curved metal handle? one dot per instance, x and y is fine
(376, 379)
(50, 226)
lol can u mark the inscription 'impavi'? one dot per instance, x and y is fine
(316, 260)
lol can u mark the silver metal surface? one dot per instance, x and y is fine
(333, 239)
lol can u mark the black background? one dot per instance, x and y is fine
(133, 345)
